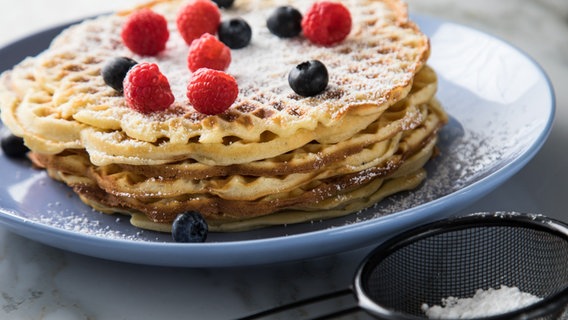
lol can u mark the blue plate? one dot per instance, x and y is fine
(501, 105)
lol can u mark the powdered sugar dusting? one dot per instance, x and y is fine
(67, 213)
(63, 218)
(465, 157)
(484, 303)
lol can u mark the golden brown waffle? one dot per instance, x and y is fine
(72, 100)
(226, 201)
(318, 199)
(271, 152)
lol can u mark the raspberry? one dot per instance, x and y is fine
(212, 91)
(145, 32)
(327, 23)
(146, 89)
(196, 18)
(208, 52)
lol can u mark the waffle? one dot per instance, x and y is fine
(273, 157)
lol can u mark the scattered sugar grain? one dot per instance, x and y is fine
(67, 220)
(465, 164)
(484, 303)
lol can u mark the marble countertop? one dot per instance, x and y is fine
(41, 282)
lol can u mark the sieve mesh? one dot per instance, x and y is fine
(456, 259)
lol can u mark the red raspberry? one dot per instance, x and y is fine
(196, 18)
(146, 89)
(327, 23)
(212, 91)
(145, 32)
(208, 52)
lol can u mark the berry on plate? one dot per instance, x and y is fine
(13, 146)
(196, 18)
(212, 91)
(327, 23)
(208, 52)
(309, 78)
(189, 227)
(146, 89)
(285, 22)
(235, 33)
(224, 3)
(145, 32)
(114, 71)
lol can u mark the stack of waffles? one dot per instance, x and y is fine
(273, 157)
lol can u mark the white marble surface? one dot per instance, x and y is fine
(40, 282)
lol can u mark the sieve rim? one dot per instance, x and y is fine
(546, 306)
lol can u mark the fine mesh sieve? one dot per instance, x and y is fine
(457, 256)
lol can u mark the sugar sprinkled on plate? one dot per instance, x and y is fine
(484, 303)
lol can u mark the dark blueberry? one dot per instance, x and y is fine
(308, 78)
(189, 227)
(13, 146)
(285, 22)
(114, 71)
(224, 3)
(235, 33)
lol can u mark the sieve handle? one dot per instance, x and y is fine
(306, 302)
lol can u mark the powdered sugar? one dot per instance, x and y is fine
(484, 303)
(465, 158)
(62, 218)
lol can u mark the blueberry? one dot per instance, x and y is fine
(308, 78)
(285, 22)
(224, 3)
(189, 227)
(12, 145)
(115, 70)
(235, 33)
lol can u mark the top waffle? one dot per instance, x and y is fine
(59, 101)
